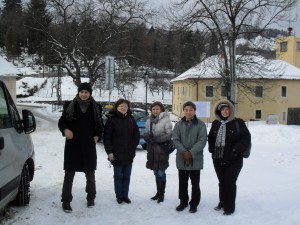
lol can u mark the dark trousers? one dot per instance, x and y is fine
(184, 176)
(90, 188)
(228, 175)
(122, 175)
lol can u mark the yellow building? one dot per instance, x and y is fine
(273, 94)
(288, 50)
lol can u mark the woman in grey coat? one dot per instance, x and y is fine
(157, 131)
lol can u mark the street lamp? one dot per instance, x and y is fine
(146, 76)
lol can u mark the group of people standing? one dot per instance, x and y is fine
(81, 124)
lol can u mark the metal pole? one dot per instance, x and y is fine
(58, 86)
(232, 52)
(146, 95)
(109, 88)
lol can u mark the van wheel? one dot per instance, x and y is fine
(144, 146)
(23, 196)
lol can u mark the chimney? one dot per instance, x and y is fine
(290, 29)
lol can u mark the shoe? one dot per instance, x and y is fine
(227, 213)
(218, 208)
(155, 197)
(119, 200)
(90, 203)
(127, 200)
(193, 209)
(67, 207)
(181, 207)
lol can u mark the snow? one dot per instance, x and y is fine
(268, 186)
(69, 90)
(274, 69)
(7, 68)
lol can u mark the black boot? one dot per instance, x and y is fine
(161, 191)
(155, 197)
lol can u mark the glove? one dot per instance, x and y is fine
(110, 157)
(187, 155)
(187, 162)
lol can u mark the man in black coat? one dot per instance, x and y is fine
(81, 124)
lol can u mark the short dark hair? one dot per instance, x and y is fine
(119, 102)
(189, 103)
(159, 104)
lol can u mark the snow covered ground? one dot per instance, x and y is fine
(268, 186)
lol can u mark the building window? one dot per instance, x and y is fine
(257, 114)
(181, 91)
(223, 91)
(209, 91)
(298, 46)
(283, 91)
(283, 116)
(258, 91)
(283, 46)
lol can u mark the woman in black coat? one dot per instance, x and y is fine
(81, 124)
(227, 147)
(121, 137)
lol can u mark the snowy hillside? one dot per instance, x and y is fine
(69, 90)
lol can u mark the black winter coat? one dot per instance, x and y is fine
(80, 152)
(234, 145)
(121, 137)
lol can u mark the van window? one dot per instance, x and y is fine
(5, 121)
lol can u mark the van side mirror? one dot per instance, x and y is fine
(29, 123)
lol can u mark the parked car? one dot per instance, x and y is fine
(16, 151)
(140, 117)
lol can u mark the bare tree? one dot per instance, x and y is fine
(83, 31)
(228, 20)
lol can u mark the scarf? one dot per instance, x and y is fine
(220, 140)
(84, 105)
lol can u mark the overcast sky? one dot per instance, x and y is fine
(295, 15)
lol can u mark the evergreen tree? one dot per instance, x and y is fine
(12, 29)
(188, 55)
(37, 20)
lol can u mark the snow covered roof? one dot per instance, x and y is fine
(263, 68)
(7, 68)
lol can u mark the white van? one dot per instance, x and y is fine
(16, 151)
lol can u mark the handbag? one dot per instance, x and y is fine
(168, 147)
(246, 153)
